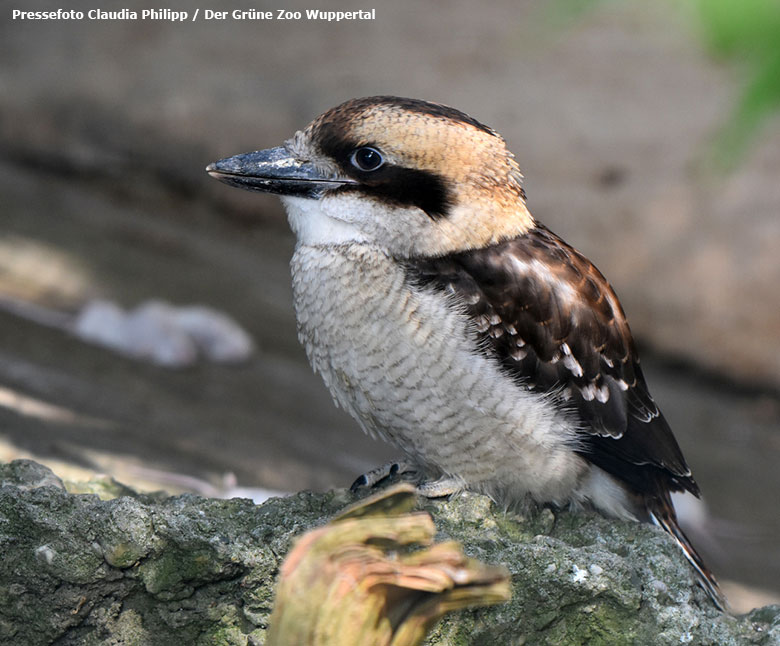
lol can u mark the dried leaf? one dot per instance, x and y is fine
(355, 581)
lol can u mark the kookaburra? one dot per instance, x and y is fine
(445, 319)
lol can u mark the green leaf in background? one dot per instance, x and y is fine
(743, 32)
(748, 33)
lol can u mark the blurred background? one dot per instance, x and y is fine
(649, 138)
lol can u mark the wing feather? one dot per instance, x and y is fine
(551, 319)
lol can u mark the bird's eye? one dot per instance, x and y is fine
(367, 158)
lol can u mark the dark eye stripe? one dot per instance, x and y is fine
(394, 184)
(410, 187)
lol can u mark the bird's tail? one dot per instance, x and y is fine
(662, 513)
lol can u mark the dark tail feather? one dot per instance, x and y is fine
(662, 514)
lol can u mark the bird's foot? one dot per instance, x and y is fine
(444, 486)
(375, 476)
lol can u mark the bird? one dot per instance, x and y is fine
(449, 322)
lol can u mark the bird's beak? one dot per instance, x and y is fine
(274, 171)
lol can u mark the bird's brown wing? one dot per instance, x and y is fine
(555, 325)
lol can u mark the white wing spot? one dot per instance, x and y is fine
(570, 362)
(588, 392)
(473, 299)
(518, 354)
(482, 324)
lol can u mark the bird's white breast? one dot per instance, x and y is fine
(405, 363)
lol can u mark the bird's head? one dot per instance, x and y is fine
(412, 177)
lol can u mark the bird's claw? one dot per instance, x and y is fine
(443, 487)
(380, 474)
